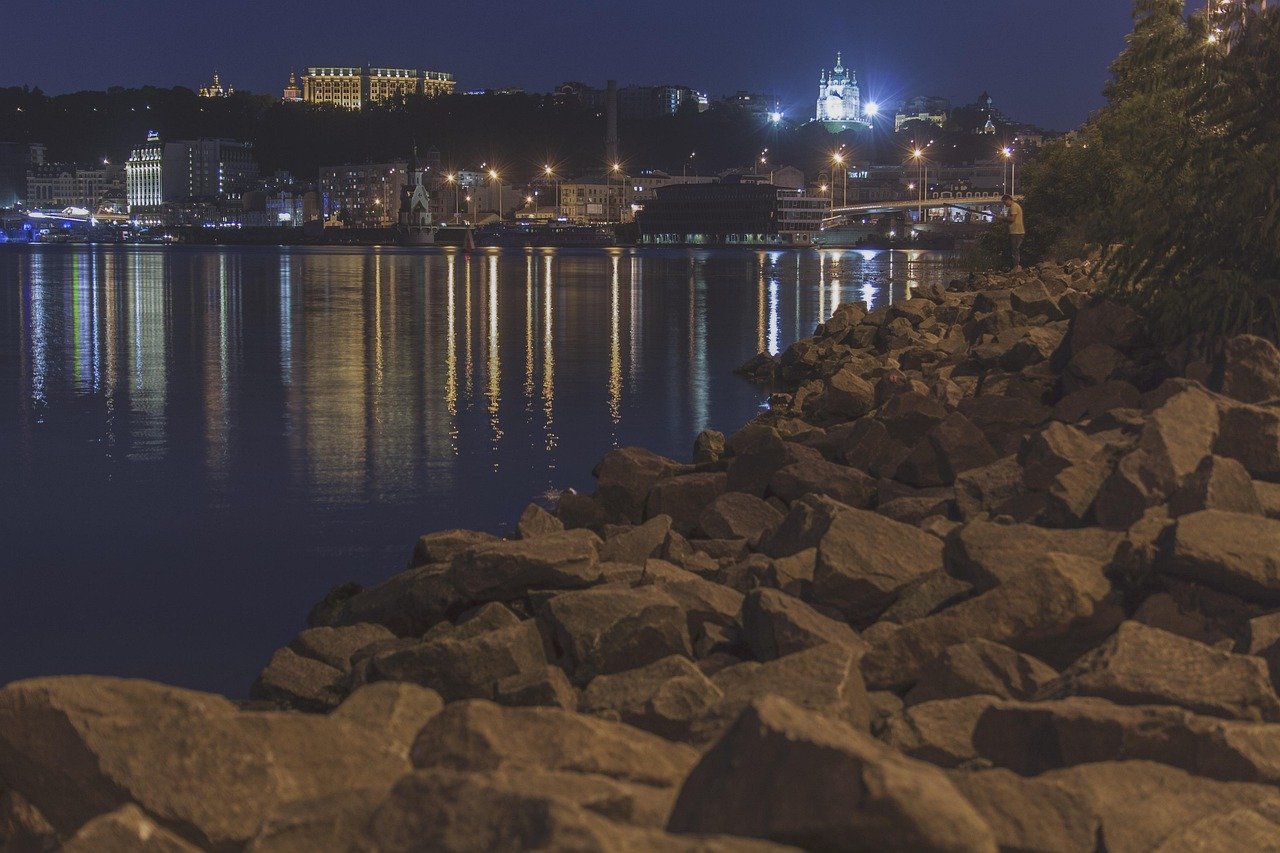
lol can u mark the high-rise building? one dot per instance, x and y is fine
(214, 170)
(353, 87)
(839, 99)
(15, 159)
(365, 195)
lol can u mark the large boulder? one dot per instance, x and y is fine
(775, 624)
(865, 559)
(613, 629)
(126, 829)
(293, 681)
(684, 497)
(478, 735)
(1054, 609)
(1247, 369)
(625, 477)
(735, 515)
(78, 747)
(464, 663)
(406, 604)
(985, 553)
(950, 448)
(509, 569)
(1122, 807)
(1140, 665)
(458, 812)
(1251, 436)
(839, 482)
(443, 545)
(824, 679)
(667, 697)
(939, 731)
(1227, 551)
(790, 776)
(980, 667)
(636, 544)
(1034, 737)
(848, 395)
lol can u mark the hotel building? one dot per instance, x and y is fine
(352, 87)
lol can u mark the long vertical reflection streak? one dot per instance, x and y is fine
(615, 354)
(636, 307)
(451, 348)
(775, 321)
(286, 319)
(466, 325)
(528, 332)
(822, 288)
(494, 368)
(548, 364)
(760, 291)
(698, 383)
(39, 335)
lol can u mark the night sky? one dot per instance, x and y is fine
(1043, 61)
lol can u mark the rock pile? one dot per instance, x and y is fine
(993, 573)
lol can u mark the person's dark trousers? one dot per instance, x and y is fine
(1015, 246)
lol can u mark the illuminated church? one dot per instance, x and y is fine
(839, 101)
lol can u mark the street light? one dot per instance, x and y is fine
(872, 109)
(1013, 169)
(493, 176)
(838, 159)
(551, 175)
(921, 178)
(687, 162)
(451, 178)
(615, 169)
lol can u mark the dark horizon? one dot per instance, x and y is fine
(1046, 67)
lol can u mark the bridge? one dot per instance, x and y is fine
(934, 202)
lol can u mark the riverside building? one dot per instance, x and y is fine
(160, 173)
(353, 87)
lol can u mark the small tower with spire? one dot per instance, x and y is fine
(292, 92)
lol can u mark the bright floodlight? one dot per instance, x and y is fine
(775, 117)
(872, 109)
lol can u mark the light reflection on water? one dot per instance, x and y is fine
(199, 442)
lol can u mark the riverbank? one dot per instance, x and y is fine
(993, 571)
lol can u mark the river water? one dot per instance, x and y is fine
(195, 444)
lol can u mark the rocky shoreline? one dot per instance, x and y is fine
(994, 572)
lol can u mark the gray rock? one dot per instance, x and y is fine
(939, 731)
(865, 559)
(1217, 483)
(735, 515)
(1247, 369)
(839, 482)
(980, 667)
(293, 681)
(395, 710)
(1030, 738)
(507, 570)
(790, 776)
(985, 554)
(824, 679)
(668, 697)
(127, 828)
(444, 545)
(625, 477)
(1054, 609)
(464, 666)
(1141, 665)
(600, 631)
(637, 544)
(536, 521)
(548, 686)
(1227, 551)
(335, 646)
(776, 624)
(684, 497)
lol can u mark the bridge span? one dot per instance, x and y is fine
(938, 200)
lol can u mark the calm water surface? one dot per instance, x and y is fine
(196, 444)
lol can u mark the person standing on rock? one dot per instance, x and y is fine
(1017, 229)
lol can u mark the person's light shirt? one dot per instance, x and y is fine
(1015, 219)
